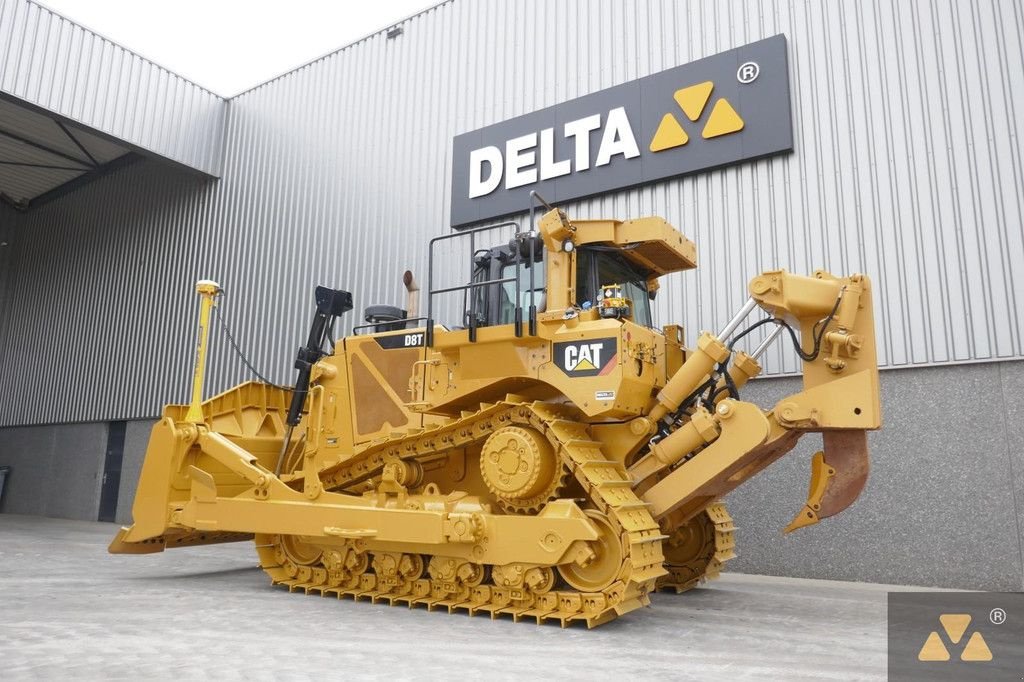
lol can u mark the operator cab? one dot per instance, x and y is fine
(599, 270)
(607, 281)
(589, 269)
(495, 304)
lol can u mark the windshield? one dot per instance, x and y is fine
(597, 268)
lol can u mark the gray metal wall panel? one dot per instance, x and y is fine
(55, 470)
(908, 166)
(92, 329)
(60, 66)
(958, 525)
(7, 230)
(136, 440)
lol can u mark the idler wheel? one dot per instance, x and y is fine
(604, 568)
(298, 552)
(697, 549)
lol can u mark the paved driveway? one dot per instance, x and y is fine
(69, 610)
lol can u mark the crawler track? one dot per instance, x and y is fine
(622, 576)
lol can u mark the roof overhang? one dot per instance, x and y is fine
(74, 105)
(43, 156)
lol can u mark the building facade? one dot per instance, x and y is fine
(907, 165)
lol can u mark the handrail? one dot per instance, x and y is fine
(470, 286)
(474, 285)
(377, 324)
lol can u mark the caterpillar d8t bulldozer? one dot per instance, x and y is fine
(551, 455)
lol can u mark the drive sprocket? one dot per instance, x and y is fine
(521, 469)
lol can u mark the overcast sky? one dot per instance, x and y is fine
(229, 46)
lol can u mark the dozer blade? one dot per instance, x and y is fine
(120, 545)
(838, 476)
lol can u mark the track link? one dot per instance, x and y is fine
(453, 585)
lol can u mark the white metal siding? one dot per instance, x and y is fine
(908, 167)
(60, 66)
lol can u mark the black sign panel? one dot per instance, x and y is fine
(727, 108)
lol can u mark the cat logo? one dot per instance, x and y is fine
(588, 358)
(693, 100)
(955, 625)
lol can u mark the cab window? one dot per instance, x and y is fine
(596, 267)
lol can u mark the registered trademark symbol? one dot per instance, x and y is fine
(748, 72)
(997, 616)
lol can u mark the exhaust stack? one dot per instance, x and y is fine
(412, 302)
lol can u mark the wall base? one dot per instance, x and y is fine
(943, 507)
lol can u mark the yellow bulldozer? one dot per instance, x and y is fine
(554, 456)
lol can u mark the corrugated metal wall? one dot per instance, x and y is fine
(908, 166)
(65, 68)
(7, 227)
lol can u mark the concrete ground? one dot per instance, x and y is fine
(70, 610)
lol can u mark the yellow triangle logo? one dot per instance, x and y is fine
(723, 120)
(692, 99)
(583, 365)
(933, 649)
(976, 649)
(955, 625)
(670, 134)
